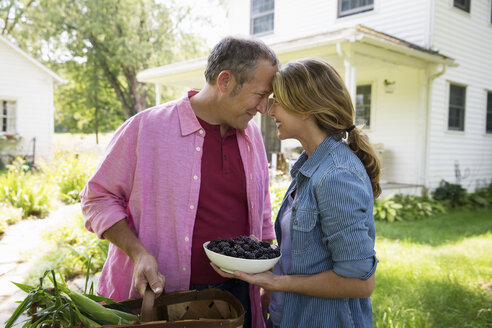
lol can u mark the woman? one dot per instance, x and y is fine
(325, 226)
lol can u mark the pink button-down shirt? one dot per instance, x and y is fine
(153, 164)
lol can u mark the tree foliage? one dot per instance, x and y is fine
(99, 46)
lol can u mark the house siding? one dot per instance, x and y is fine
(321, 16)
(32, 89)
(467, 37)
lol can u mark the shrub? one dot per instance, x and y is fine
(415, 207)
(8, 215)
(387, 209)
(73, 248)
(22, 189)
(482, 197)
(278, 187)
(70, 172)
(452, 194)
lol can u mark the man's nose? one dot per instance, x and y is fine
(262, 106)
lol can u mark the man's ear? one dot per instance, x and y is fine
(225, 81)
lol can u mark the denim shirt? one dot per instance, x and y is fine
(332, 228)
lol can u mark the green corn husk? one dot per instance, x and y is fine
(96, 311)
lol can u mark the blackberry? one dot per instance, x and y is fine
(243, 247)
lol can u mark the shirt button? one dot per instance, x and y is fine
(187, 239)
(195, 177)
(197, 148)
(201, 131)
(192, 207)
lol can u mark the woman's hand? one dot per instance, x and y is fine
(266, 280)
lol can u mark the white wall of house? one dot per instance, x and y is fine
(322, 16)
(32, 89)
(396, 120)
(467, 37)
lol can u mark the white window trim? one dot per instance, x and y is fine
(350, 12)
(253, 17)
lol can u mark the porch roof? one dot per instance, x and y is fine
(359, 42)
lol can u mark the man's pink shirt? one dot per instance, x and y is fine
(150, 173)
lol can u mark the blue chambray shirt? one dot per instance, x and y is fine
(332, 228)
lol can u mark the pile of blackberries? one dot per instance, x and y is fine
(244, 247)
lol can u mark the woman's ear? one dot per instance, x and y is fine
(225, 80)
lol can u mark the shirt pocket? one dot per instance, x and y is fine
(303, 231)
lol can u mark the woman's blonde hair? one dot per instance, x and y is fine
(312, 86)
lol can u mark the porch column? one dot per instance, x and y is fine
(350, 69)
(157, 94)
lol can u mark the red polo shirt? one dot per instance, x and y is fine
(222, 205)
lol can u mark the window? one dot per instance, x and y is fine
(456, 117)
(488, 127)
(7, 116)
(351, 7)
(462, 4)
(363, 105)
(262, 14)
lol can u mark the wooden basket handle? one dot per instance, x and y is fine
(147, 310)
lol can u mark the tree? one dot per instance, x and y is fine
(99, 46)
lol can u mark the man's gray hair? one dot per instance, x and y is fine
(240, 56)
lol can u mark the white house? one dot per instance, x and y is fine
(26, 103)
(420, 74)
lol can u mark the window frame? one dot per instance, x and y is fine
(366, 106)
(353, 11)
(488, 111)
(8, 120)
(466, 8)
(256, 16)
(461, 127)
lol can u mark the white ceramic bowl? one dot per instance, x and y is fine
(229, 263)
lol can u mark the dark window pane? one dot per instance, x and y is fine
(363, 105)
(456, 113)
(349, 7)
(462, 4)
(261, 6)
(263, 24)
(488, 127)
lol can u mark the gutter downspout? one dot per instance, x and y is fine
(430, 79)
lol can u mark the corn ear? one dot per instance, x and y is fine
(125, 315)
(95, 310)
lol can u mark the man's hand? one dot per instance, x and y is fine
(147, 273)
(145, 265)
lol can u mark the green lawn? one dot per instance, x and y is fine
(435, 272)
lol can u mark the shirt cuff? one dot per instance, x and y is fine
(362, 269)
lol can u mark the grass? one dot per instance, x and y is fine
(436, 272)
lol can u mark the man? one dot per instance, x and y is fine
(185, 172)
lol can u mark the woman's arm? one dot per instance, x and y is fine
(325, 284)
